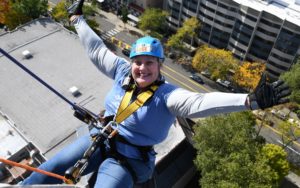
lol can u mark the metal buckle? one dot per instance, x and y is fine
(110, 129)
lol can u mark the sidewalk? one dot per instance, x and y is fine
(118, 22)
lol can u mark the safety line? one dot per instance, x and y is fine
(12, 163)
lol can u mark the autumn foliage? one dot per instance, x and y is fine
(217, 61)
(249, 74)
(4, 8)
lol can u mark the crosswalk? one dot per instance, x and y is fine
(107, 35)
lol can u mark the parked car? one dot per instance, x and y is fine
(224, 83)
(126, 52)
(197, 78)
(172, 55)
(206, 73)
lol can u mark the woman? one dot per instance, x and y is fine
(149, 123)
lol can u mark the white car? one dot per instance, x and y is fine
(224, 83)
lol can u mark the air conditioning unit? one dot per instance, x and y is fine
(75, 91)
(27, 54)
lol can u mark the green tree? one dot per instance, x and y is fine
(124, 16)
(22, 11)
(230, 154)
(188, 30)
(175, 41)
(275, 156)
(292, 78)
(153, 22)
(88, 11)
(94, 25)
(13, 18)
(31, 8)
(59, 12)
(217, 61)
(290, 132)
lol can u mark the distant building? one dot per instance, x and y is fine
(147, 3)
(253, 30)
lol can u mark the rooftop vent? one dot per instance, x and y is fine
(75, 91)
(27, 54)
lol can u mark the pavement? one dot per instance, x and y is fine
(119, 25)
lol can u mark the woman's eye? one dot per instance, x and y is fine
(138, 63)
(149, 63)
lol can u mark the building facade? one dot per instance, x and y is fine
(252, 30)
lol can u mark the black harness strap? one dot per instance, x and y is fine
(113, 153)
(144, 150)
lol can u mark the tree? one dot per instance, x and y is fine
(59, 12)
(175, 41)
(217, 61)
(248, 74)
(275, 157)
(153, 22)
(230, 154)
(13, 18)
(22, 11)
(290, 132)
(292, 78)
(188, 30)
(32, 8)
(4, 8)
(124, 17)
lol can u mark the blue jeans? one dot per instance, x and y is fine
(110, 174)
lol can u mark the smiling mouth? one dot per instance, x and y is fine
(144, 75)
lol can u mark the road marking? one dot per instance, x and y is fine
(108, 34)
(279, 141)
(179, 81)
(193, 82)
(279, 133)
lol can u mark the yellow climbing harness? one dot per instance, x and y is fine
(125, 109)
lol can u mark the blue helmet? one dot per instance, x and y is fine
(147, 46)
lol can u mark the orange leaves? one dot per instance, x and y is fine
(248, 74)
(4, 8)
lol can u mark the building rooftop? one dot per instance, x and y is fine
(59, 59)
(10, 140)
(285, 9)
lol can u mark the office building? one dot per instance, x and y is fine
(253, 30)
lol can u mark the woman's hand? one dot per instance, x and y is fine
(269, 94)
(75, 9)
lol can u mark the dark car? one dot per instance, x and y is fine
(126, 52)
(197, 78)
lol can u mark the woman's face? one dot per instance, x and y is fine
(145, 70)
